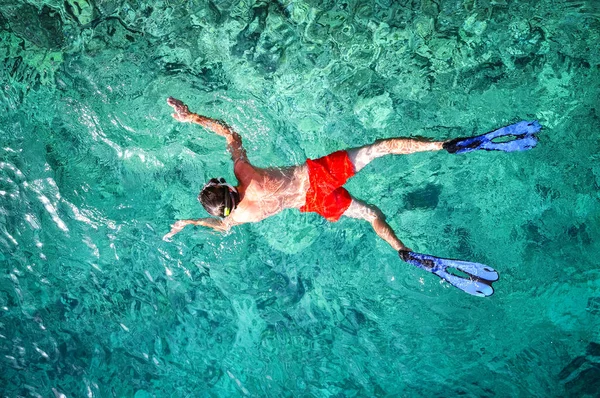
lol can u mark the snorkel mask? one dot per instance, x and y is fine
(230, 195)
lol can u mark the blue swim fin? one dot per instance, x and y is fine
(523, 133)
(479, 276)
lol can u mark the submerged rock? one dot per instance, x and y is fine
(581, 377)
(43, 27)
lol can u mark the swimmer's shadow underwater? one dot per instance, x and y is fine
(326, 196)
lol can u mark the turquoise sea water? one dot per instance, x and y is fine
(93, 170)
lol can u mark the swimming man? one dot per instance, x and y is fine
(316, 186)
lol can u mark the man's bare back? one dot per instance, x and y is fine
(266, 192)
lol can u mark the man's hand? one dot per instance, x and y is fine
(182, 112)
(176, 228)
(234, 141)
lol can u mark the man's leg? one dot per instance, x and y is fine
(362, 156)
(359, 209)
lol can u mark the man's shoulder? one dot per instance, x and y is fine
(245, 172)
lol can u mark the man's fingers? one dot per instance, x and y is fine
(175, 228)
(174, 101)
(178, 106)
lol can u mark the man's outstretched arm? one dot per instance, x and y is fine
(376, 218)
(234, 140)
(214, 223)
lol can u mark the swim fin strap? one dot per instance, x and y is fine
(523, 133)
(479, 276)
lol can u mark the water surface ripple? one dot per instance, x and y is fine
(93, 170)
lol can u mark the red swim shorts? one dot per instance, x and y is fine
(325, 195)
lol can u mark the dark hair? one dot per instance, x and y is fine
(216, 198)
(213, 199)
